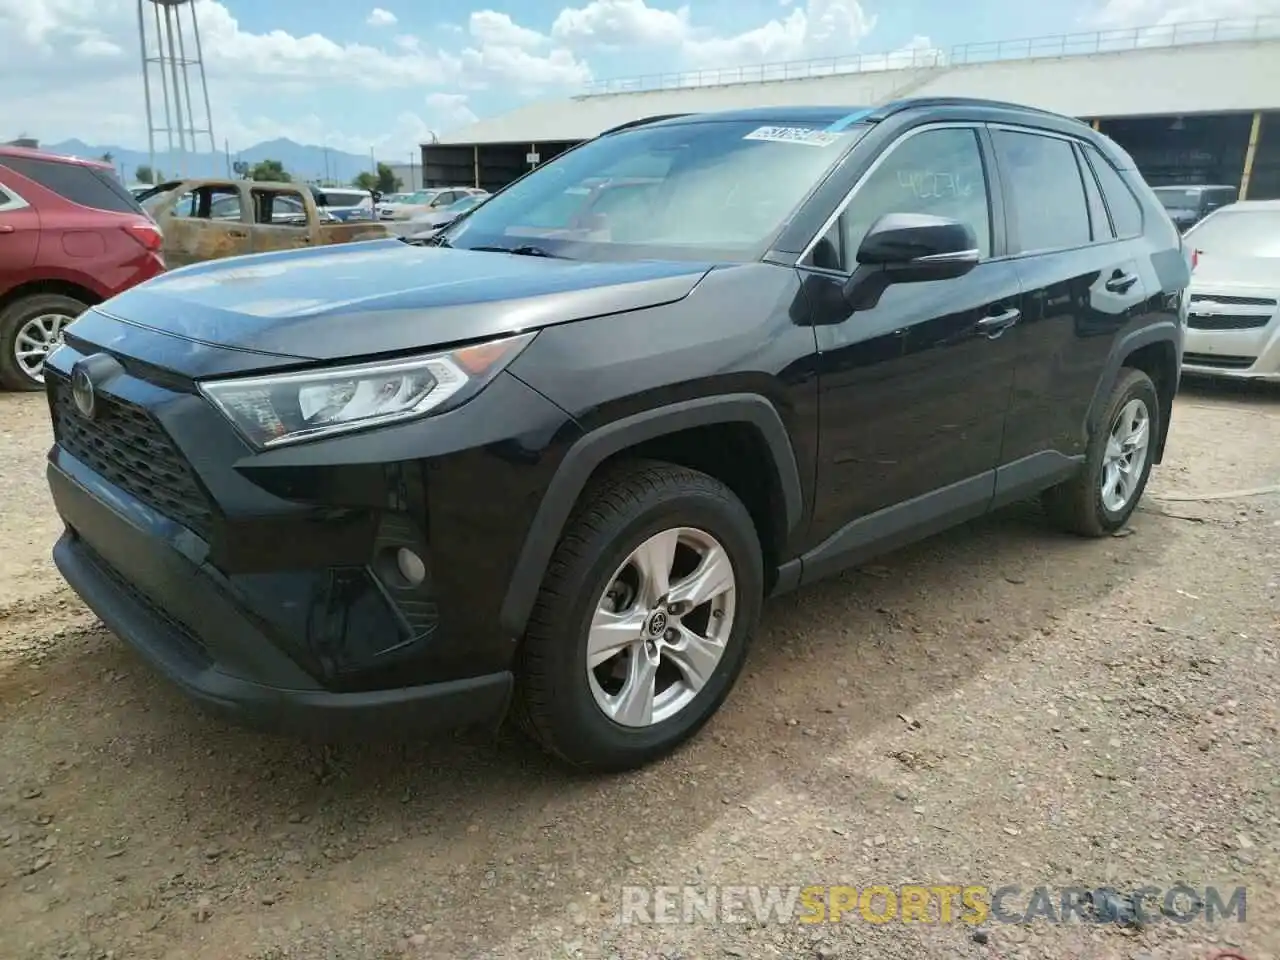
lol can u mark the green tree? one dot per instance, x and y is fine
(144, 174)
(366, 181)
(387, 181)
(270, 170)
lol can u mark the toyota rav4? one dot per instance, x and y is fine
(555, 459)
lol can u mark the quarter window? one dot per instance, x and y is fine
(938, 172)
(1050, 208)
(1098, 218)
(1126, 212)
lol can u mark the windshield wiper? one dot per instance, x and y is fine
(526, 250)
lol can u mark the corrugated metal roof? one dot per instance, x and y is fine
(1205, 78)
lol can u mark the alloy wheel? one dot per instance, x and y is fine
(36, 339)
(1125, 457)
(659, 631)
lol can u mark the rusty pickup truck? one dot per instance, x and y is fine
(204, 219)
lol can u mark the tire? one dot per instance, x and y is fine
(16, 316)
(1079, 506)
(556, 699)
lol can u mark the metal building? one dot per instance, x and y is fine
(1192, 102)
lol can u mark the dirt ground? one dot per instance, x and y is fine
(1000, 705)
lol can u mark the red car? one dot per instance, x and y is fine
(71, 236)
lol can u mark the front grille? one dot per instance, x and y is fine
(1233, 301)
(127, 447)
(1226, 321)
(1222, 361)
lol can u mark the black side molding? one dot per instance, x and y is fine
(596, 447)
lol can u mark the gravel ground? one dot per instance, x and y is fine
(1000, 705)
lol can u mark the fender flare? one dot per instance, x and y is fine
(589, 451)
(1164, 331)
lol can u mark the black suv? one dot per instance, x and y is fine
(556, 458)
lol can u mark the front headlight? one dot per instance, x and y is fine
(284, 408)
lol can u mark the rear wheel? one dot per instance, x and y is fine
(643, 620)
(31, 329)
(1101, 498)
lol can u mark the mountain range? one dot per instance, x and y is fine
(303, 161)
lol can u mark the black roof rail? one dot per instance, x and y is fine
(909, 103)
(641, 122)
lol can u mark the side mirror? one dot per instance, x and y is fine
(914, 247)
(909, 248)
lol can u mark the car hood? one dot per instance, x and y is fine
(386, 296)
(1251, 272)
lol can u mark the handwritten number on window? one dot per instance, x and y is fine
(935, 185)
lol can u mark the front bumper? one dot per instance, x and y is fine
(153, 595)
(1235, 354)
(265, 583)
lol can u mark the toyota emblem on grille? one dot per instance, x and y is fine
(82, 391)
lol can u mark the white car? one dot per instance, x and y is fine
(345, 203)
(1233, 323)
(426, 201)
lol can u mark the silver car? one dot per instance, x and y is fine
(1233, 324)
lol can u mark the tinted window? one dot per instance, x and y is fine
(937, 172)
(1098, 218)
(1051, 212)
(79, 184)
(1126, 212)
(721, 188)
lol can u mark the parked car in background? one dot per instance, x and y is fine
(71, 236)
(207, 219)
(1233, 323)
(427, 225)
(1188, 205)
(558, 461)
(345, 203)
(426, 201)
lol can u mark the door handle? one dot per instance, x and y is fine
(7, 228)
(237, 234)
(1121, 282)
(997, 323)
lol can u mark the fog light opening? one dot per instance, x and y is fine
(411, 566)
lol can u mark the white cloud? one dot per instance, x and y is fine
(97, 47)
(452, 109)
(621, 22)
(381, 18)
(1140, 13)
(497, 29)
(819, 28)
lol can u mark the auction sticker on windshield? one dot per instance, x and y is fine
(802, 135)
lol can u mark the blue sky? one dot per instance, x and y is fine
(382, 75)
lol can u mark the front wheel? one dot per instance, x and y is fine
(1101, 498)
(643, 620)
(31, 329)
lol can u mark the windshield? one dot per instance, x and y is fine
(422, 196)
(1238, 233)
(712, 188)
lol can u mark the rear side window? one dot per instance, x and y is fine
(1126, 212)
(1098, 218)
(80, 184)
(1051, 211)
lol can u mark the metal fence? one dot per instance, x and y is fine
(1060, 45)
